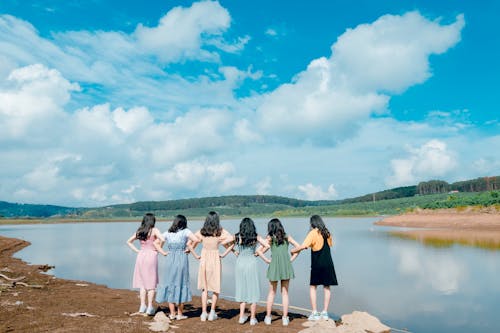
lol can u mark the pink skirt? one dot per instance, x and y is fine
(146, 270)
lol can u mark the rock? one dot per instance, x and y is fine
(160, 323)
(356, 322)
(320, 326)
(363, 322)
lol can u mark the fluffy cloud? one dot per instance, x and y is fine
(179, 33)
(327, 100)
(312, 192)
(431, 160)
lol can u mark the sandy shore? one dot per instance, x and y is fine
(50, 304)
(445, 227)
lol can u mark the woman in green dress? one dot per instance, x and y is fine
(280, 267)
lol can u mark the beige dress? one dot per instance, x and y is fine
(210, 270)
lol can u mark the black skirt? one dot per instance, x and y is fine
(322, 269)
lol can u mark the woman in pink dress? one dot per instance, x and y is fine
(146, 264)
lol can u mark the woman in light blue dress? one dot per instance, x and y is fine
(246, 270)
(173, 286)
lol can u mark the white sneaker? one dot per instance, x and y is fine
(212, 316)
(313, 316)
(203, 316)
(324, 315)
(253, 321)
(242, 320)
(181, 317)
(285, 320)
(267, 320)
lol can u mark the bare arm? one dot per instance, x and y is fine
(229, 249)
(158, 246)
(193, 243)
(130, 243)
(294, 243)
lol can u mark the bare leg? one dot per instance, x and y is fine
(180, 309)
(284, 296)
(312, 296)
(242, 309)
(327, 298)
(215, 297)
(253, 310)
(270, 296)
(204, 298)
(151, 296)
(171, 306)
(142, 296)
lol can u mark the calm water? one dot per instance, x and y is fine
(403, 282)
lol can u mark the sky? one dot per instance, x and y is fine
(105, 102)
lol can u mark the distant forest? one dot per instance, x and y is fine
(429, 194)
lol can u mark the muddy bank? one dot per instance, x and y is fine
(445, 227)
(49, 304)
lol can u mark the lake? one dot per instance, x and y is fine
(403, 282)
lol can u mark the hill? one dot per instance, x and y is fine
(430, 194)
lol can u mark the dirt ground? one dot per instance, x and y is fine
(48, 304)
(445, 227)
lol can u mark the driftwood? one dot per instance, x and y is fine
(17, 281)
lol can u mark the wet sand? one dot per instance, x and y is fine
(50, 304)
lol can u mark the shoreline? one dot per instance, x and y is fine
(446, 227)
(52, 304)
(25, 221)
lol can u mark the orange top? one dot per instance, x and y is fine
(314, 240)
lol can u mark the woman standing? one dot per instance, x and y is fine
(174, 282)
(319, 240)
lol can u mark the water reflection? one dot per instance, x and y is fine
(488, 240)
(442, 272)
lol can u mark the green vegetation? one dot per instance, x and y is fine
(432, 194)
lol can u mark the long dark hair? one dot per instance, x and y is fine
(317, 222)
(148, 223)
(211, 227)
(247, 234)
(276, 231)
(180, 223)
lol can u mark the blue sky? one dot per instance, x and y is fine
(114, 101)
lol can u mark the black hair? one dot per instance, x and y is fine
(211, 227)
(148, 223)
(317, 222)
(179, 223)
(276, 231)
(247, 234)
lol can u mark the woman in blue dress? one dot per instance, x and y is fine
(173, 286)
(246, 270)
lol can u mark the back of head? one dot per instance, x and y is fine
(211, 227)
(276, 231)
(248, 233)
(317, 222)
(179, 223)
(148, 223)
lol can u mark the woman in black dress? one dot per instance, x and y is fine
(319, 240)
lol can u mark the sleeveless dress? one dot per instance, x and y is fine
(247, 275)
(322, 269)
(174, 279)
(209, 273)
(146, 266)
(280, 267)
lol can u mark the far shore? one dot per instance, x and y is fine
(445, 227)
(8, 221)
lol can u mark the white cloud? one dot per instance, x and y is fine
(263, 186)
(313, 192)
(327, 101)
(432, 159)
(271, 32)
(179, 33)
